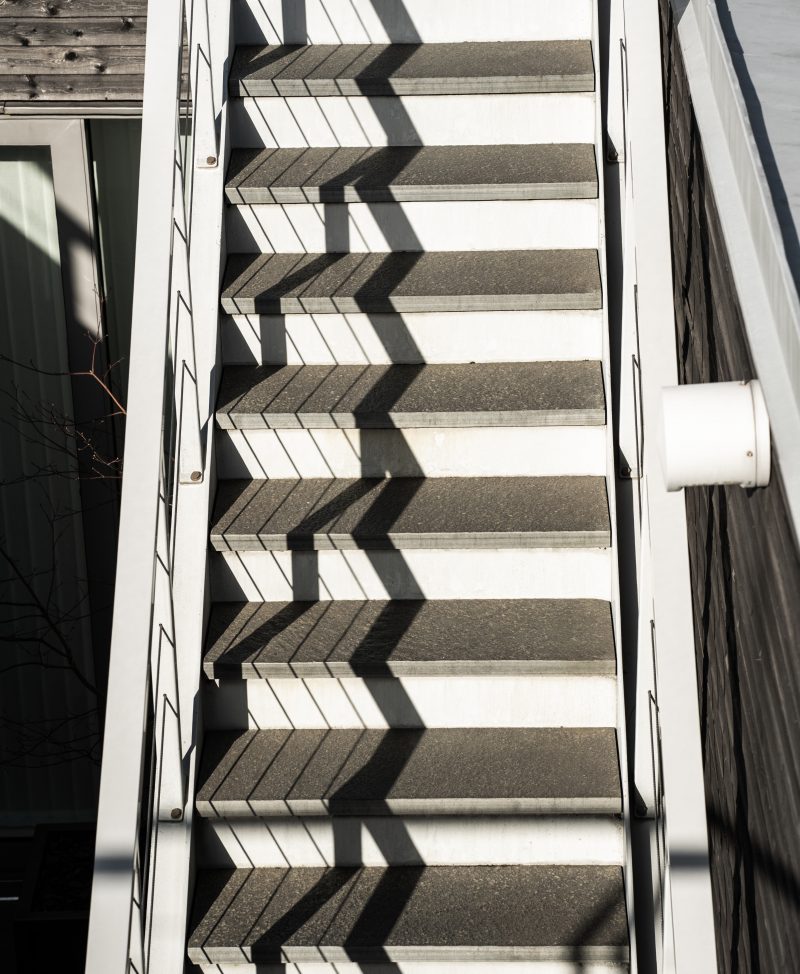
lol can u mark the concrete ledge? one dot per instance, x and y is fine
(411, 397)
(475, 637)
(375, 70)
(455, 771)
(411, 512)
(412, 173)
(502, 280)
(437, 913)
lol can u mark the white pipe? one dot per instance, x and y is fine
(715, 433)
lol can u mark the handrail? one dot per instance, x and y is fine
(143, 778)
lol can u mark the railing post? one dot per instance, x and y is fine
(666, 666)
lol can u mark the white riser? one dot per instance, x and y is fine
(535, 573)
(371, 227)
(495, 336)
(411, 841)
(418, 701)
(477, 452)
(408, 21)
(421, 967)
(413, 120)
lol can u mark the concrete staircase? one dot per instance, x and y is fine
(412, 724)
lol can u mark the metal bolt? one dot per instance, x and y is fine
(196, 476)
(749, 453)
(176, 813)
(211, 161)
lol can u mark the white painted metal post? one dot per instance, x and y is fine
(692, 926)
(120, 783)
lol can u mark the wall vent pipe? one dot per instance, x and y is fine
(715, 433)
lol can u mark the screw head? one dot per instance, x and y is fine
(749, 453)
(196, 476)
(176, 813)
(211, 160)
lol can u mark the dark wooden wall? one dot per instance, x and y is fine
(746, 590)
(71, 50)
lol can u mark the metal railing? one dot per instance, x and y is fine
(144, 772)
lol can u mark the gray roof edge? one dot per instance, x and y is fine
(769, 299)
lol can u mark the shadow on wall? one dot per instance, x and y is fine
(50, 747)
(755, 114)
(745, 577)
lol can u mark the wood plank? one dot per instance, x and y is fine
(28, 88)
(45, 9)
(72, 60)
(83, 32)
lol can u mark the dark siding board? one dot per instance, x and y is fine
(746, 592)
(72, 60)
(72, 32)
(90, 43)
(120, 87)
(71, 8)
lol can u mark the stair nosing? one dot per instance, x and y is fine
(391, 541)
(545, 301)
(400, 88)
(487, 192)
(374, 808)
(408, 953)
(235, 421)
(402, 668)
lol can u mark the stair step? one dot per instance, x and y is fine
(411, 512)
(412, 173)
(475, 637)
(411, 396)
(500, 280)
(490, 771)
(375, 70)
(368, 915)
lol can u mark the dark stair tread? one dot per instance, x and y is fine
(502, 280)
(411, 512)
(406, 638)
(442, 771)
(408, 173)
(375, 70)
(435, 913)
(411, 396)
